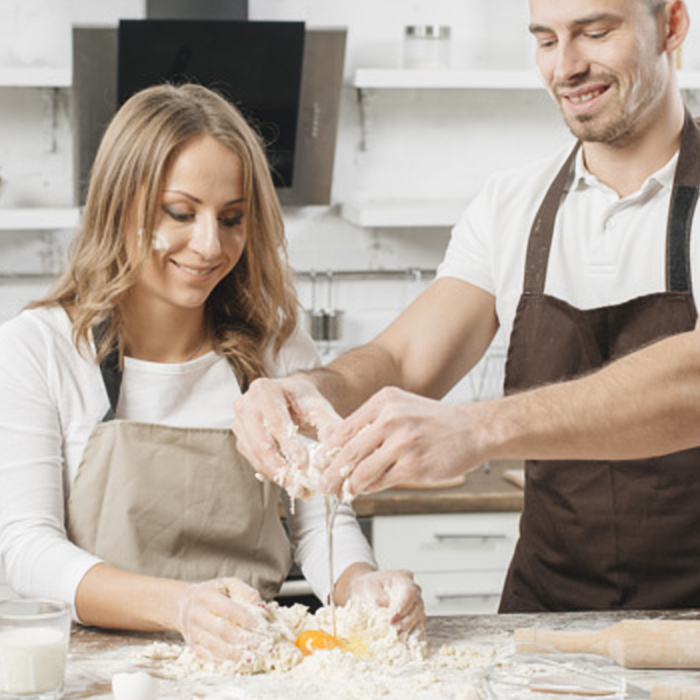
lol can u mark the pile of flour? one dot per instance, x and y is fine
(383, 664)
(365, 626)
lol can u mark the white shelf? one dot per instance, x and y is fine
(398, 78)
(39, 219)
(35, 77)
(450, 79)
(403, 213)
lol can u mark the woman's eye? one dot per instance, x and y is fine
(177, 214)
(231, 221)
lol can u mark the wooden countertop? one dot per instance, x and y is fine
(96, 655)
(485, 489)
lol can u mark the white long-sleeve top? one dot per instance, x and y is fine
(51, 398)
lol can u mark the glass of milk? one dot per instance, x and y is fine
(34, 636)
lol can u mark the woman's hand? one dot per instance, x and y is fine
(395, 590)
(270, 416)
(223, 619)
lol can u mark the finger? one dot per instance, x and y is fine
(256, 443)
(401, 582)
(264, 425)
(376, 472)
(345, 458)
(232, 632)
(414, 622)
(370, 588)
(314, 412)
(212, 646)
(412, 616)
(213, 606)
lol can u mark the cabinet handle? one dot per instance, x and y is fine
(443, 597)
(469, 536)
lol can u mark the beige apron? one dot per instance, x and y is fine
(179, 503)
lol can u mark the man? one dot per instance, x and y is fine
(581, 259)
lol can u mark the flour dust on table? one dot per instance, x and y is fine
(374, 660)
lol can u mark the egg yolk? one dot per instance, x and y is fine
(310, 641)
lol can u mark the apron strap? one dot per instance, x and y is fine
(542, 229)
(109, 368)
(683, 200)
(684, 197)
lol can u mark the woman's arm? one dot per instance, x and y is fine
(355, 569)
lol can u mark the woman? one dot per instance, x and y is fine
(121, 489)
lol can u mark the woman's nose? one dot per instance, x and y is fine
(205, 236)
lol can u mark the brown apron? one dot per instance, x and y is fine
(598, 535)
(179, 503)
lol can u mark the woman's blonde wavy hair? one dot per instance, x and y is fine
(254, 308)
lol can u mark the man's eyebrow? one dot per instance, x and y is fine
(581, 22)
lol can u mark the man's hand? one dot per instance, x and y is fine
(397, 437)
(268, 421)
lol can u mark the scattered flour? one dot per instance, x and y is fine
(382, 664)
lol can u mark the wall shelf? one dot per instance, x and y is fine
(403, 213)
(35, 77)
(39, 219)
(398, 78)
(451, 79)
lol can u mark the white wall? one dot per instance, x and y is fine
(437, 144)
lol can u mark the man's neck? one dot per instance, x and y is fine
(625, 168)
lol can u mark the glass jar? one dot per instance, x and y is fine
(426, 46)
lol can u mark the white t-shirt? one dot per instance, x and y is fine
(605, 249)
(51, 398)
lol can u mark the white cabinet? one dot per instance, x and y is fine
(459, 559)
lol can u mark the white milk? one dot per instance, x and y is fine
(32, 660)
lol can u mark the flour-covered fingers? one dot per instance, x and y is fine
(314, 415)
(226, 643)
(227, 610)
(411, 617)
(345, 454)
(265, 431)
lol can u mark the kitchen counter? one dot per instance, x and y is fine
(96, 655)
(483, 490)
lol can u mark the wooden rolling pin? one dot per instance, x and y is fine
(630, 643)
(675, 692)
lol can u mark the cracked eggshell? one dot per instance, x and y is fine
(134, 686)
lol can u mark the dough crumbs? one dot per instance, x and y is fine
(382, 663)
(301, 482)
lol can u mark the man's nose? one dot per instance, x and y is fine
(570, 61)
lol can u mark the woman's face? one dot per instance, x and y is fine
(200, 232)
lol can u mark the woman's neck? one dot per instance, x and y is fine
(165, 334)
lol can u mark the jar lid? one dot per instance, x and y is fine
(427, 31)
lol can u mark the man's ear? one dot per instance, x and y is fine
(676, 23)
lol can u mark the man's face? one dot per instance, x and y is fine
(604, 63)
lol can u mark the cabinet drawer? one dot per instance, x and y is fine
(461, 593)
(451, 542)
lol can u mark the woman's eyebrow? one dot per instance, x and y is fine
(199, 201)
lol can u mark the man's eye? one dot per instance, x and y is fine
(176, 214)
(601, 34)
